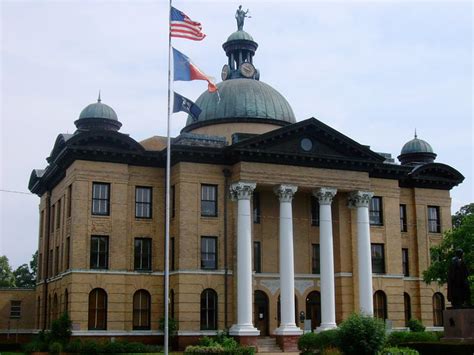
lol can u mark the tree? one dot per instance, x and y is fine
(7, 279)
(463, 212)
(23, 276)
(460, 237)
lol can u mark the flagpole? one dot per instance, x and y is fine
(167, 214)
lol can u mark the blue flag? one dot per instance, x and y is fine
(183, 104)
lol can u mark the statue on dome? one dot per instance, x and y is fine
(458, 283)
(240, 16)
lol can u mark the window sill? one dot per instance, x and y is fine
(202, 216)
(100, 215)
(143, 219)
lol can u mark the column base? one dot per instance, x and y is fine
(325, 326)
(288, 343)
(244, 330)
(288, 329)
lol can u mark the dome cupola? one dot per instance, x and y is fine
(241, 97)
(416, 152)
(98, 116)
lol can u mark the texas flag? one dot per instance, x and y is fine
(185, 70)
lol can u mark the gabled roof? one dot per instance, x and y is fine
(433, 175)
(327, 147)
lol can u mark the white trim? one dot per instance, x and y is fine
(435, 329)
(412, 278)
(12, 331)
(198, 333)
(387, 276)
(116, 332)
(200, 272)
(343, 274)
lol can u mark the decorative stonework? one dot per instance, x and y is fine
(242, 190)
(325, 195)
(285, 192)
(272, 285)
(360, 198)
(302, 285)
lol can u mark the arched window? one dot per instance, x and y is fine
(380, 305)
(141, 310)
(313, 309)
(279, 310)
(208, 310)
(49, 311)
(66, 302)
(38, 312)
(407, 307)
(438, 308)
(55, 307)
(172, 304)
(97, 309)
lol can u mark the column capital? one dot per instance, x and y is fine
(359, 198)
(325, 195)
(241, 190)
(285, 192)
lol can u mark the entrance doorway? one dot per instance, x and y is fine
(260, 309)
(313, 309)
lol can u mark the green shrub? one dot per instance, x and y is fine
(172, 326)
(307, 343)
(207, 341)
(35, 346)
(331, 351)
(442, 348)
(397, 338)
(73, 346)
(90, 348)
(416, 326)
(398, 351)
(55, 347)
(360, 334)
(61, 329)
(135, 347)
(114, 347)
(198, 349)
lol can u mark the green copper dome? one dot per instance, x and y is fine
(239, 35)
(98, 116)
(416, 146)
(99, 110)
(242, 99)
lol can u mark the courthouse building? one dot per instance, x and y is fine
(277, 224)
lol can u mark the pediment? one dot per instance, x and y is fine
(309, 138)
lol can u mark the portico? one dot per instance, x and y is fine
(288, 330)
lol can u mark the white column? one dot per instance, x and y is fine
(242, 192)
(361, 200)
(326, 252)
(287, 274)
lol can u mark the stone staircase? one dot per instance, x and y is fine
(267, 345)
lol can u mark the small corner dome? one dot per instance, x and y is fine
(98, 116)
(98, 110)
(417, 145)
(239, 36)
(416, 152)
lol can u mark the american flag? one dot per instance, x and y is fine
(183, 27)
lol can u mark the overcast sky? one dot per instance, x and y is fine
(375, 71)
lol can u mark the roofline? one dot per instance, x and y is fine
(216, 121)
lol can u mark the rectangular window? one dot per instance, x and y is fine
(68, 252)
(50, 263)
(99, 252)
(143, 202)
(142, 254)
(56, 261)
(53, 215)
(58, 217)
(403, 218)
(314, 211)
(100, 199)
(257, 257)
(378, 259)
(375, 211)
(41, 224)
(40, 267)
(15, 309)
(172, 251)
(256, 207)
(209, 253)
(315, 260)
(173, 200)
(69, 201)
(209, 200)
(405, 265)
(434, 221)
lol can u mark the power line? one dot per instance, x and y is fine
(16, 192)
